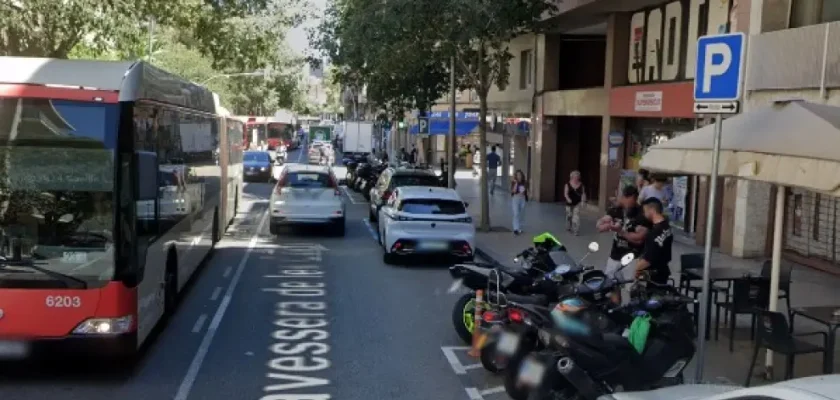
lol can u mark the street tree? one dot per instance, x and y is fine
(479, 32)
(387, 47)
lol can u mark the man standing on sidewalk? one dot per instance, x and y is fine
(658, 243)
(493, 161)
(630, 227)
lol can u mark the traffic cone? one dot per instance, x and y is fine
(478, 336)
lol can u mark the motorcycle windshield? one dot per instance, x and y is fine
(559, 257)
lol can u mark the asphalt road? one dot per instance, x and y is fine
(301, 316)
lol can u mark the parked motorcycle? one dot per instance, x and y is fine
(587, 361)
(351, 169)
(362, 170)
(522, 283)
(511, 346)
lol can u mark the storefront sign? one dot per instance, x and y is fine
(616, 139)
(648, 101)
(663, 39)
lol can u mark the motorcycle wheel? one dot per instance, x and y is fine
(490, 361)
(463, 315)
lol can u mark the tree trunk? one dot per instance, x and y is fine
(484, 224)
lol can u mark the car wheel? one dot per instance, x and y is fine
(339, 228)
(274, 229)
(389, 259)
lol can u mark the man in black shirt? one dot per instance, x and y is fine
(657, 250)
(630, 227)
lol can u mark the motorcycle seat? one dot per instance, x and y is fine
(615, 343)
(535, 299)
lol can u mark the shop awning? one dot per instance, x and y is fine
(791, 143)
(438, 126)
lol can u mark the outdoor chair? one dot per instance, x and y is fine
(749, 296)
(774, 334)
(784, 281)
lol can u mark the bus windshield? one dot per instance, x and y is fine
(56, 191)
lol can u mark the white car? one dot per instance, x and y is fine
(822, 387)
(426, 220)
(307, 195)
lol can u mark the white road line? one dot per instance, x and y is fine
(493, 390)
(373, 232)
(199, 323)
(216, 292)
(449, 353)
(474, 394)
(473, 366)
(349, 196)
(187, 384)
(228, 270)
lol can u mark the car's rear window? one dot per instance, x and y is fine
(307, 180)
(432, 206)
(414, 180)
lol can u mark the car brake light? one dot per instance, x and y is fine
(466, 248)
(386, 195)
(515, 315)
(334, 184)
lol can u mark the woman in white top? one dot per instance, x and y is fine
(519, 194)
(655, 189)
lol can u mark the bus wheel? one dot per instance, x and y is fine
(170, 282)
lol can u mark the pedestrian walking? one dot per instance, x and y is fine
(493, 161)
(630, 227)
(476, 163)
(575, 196)
(519, 196)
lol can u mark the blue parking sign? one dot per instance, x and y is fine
(720, 67)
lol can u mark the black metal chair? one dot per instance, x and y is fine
(784, 281)
(774, 334)
(749, 296)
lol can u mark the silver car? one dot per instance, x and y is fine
(307, 195)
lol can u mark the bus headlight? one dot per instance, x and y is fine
(104, 326)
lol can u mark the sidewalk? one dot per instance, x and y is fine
(809, 287)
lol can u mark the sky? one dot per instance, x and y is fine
(297, 37)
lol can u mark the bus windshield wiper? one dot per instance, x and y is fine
(70, 282)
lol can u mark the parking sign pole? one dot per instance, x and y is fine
(707, 254)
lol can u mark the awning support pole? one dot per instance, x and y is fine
(778, 225)
(707, 258)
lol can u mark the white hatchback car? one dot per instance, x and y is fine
(307, 195)
(425, 220)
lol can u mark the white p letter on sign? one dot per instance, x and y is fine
(710, 68)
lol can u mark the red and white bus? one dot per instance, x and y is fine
(269, 131)
(110, 198)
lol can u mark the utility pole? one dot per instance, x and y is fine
(451, 149)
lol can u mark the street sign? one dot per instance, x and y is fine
(720, 67)
(423, 122)
(716, 107)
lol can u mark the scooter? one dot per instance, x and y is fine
(523, 283)
(592, 362)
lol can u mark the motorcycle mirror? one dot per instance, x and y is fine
(516, 260)
(627, 259)
(594, 247)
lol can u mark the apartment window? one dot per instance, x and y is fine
(812, 12)
(526, 69)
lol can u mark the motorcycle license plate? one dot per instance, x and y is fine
(508, 343)
(531, 372)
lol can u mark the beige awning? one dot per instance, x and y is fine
(793, 143)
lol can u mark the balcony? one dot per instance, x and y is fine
(579, 102)
(775, 59)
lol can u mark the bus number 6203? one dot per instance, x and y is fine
(64, 301)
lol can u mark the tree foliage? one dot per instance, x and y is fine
(400, 50)
(387, 47)
(50, 28)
